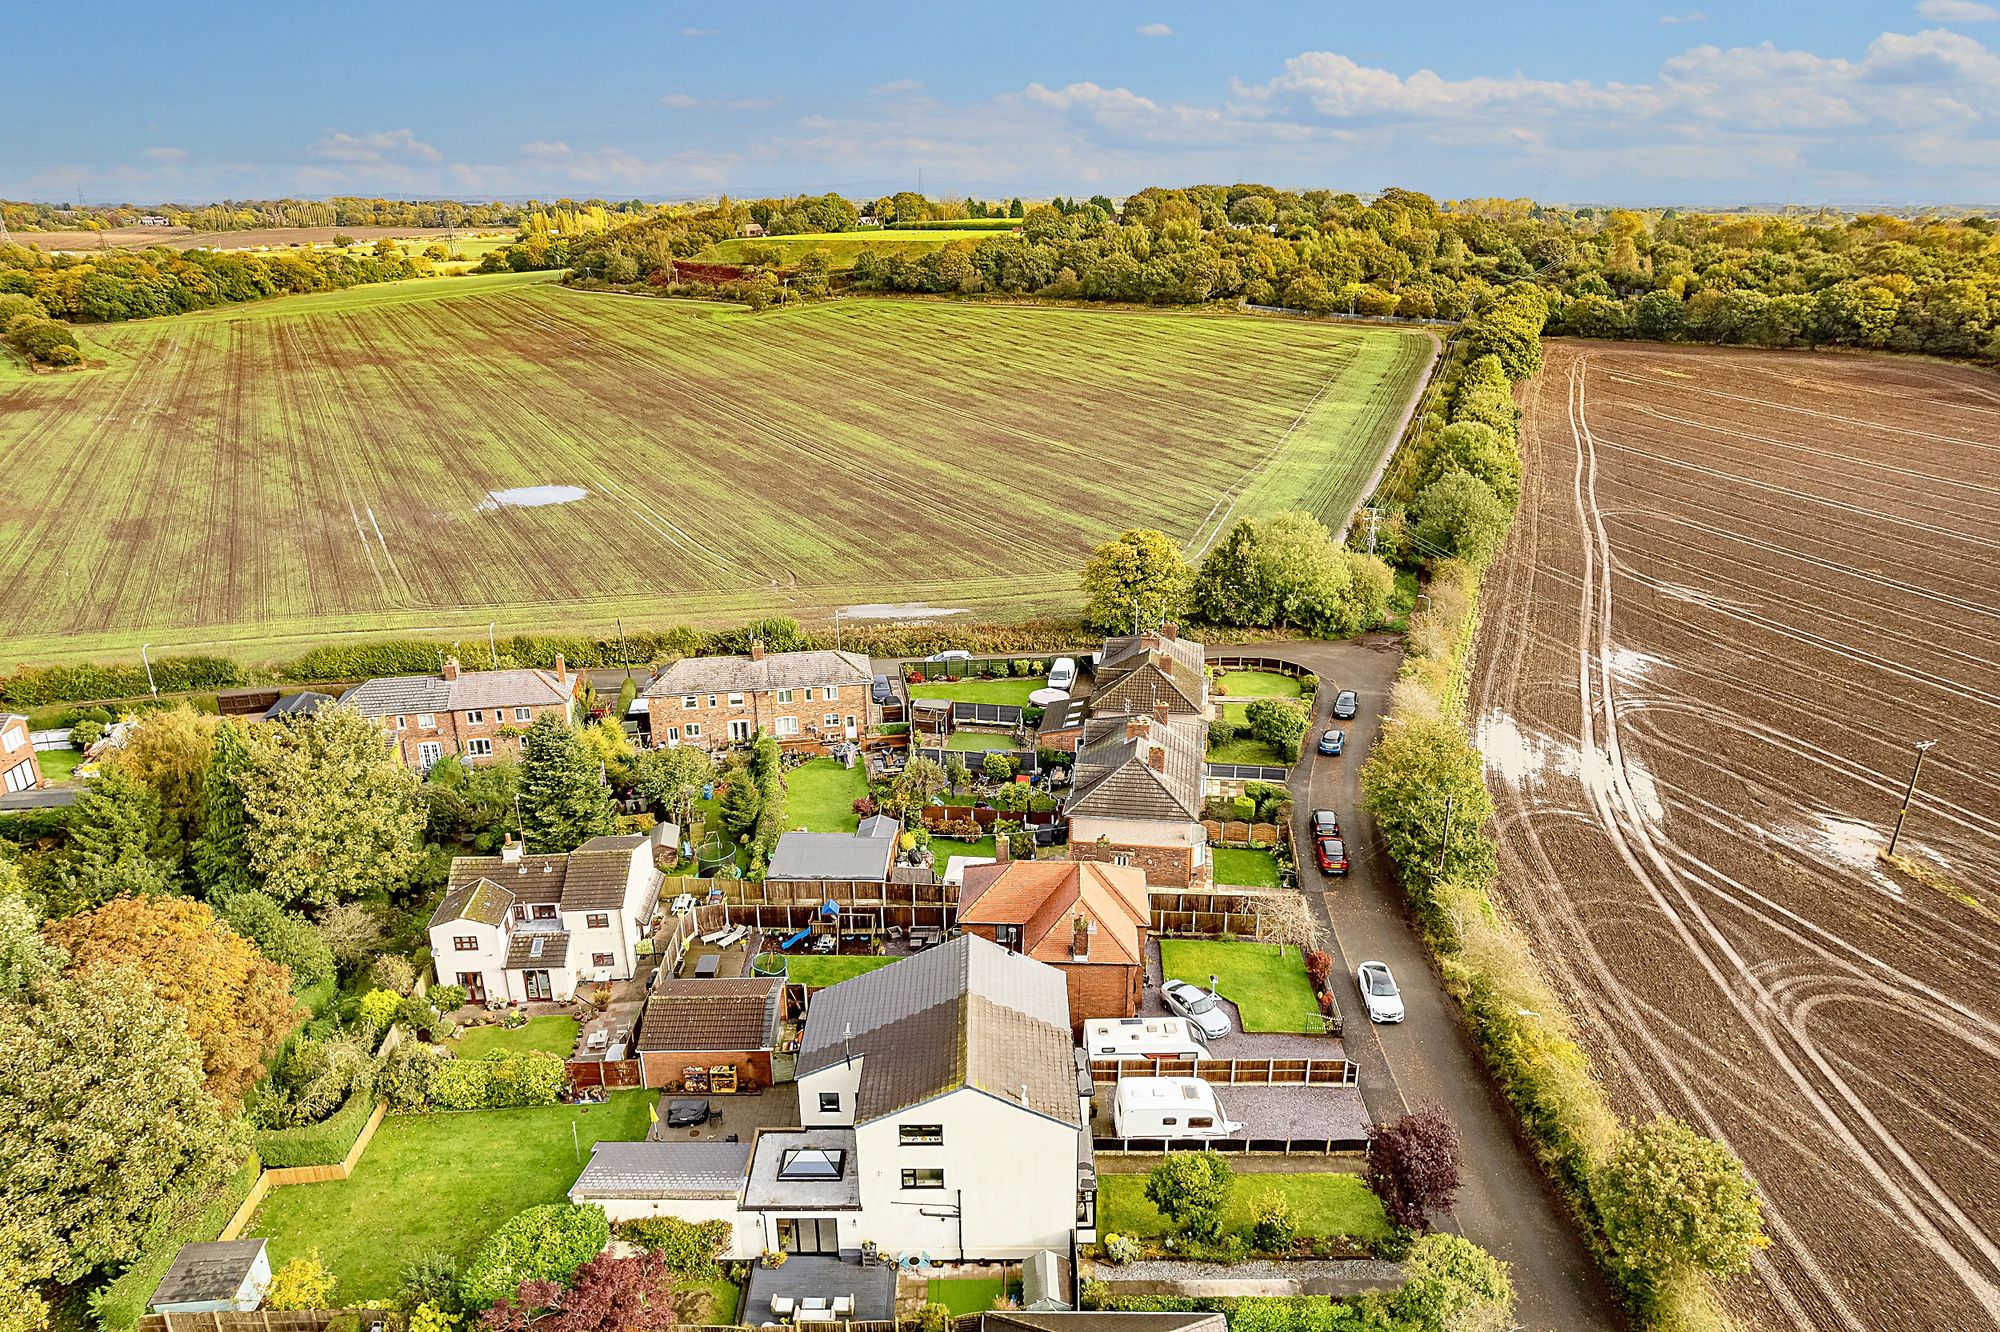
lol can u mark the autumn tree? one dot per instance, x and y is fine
(563, 800)
(301, 1283)
(237, 1003)
(1138, 579)
(106, 1129)
(1414, 1165)
(608, 1294)
(1674, 1202)
(169, 751)
(332, 815)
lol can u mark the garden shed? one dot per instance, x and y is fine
(220, 1277)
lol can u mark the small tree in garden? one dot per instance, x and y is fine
(956, 772)
(1285, 919)
(1451, 1284)
(997, 766)
(607, 1294)
(1191, 1189)
(671, 779)
(920, 781)
(302, 1283)
(1272, 1224)
(1413, 1165)
(1279, 723)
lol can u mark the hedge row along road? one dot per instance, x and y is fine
(1741, 586)
(438, 454)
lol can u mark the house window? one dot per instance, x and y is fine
(602, 960)
(524, 714)
(925, 1178)
(741, 728)
(831, 719)
(786, 726)
(711, 700)
(693, 731)
(479, 747)
(785, 695)
(14, 738)
(465, 943)
(1121, 857)
(1008, 937)
(475, 717)
(426, 721)
(736, 700)
(829, 1103)
(690, 701)
(597, 920)
(545, 911)
(921, 1135)
(400, 724)
(20, 777)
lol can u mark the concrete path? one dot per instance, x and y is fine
(1505, 1205)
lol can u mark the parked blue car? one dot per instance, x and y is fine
(1331, 742)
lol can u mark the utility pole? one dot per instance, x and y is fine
(1445, 844)
(1923, 748)
(1374, 520)
(492, 647)
(624, 659)
(836, 631)
(143, 648)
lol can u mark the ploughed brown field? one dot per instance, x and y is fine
(1742, 586)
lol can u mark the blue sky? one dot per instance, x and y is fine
(1582, 102)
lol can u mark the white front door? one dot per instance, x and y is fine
(741, 728)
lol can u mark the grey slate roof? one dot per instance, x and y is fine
(743, 675)
(481, 901)
(587, 879)
(712, 1015)
(626, 842)
(965, 1014)
(663, 1170)
(203, 1272)
(298, 705)
(531, 879)
(521, 952)
(596, 880)
(1115, 777)
(404, 695)
(1023, 1320)
(1130, 651)
(811, 855)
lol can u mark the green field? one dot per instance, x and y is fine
(248, 479)
(842, 247)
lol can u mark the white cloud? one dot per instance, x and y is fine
(545, 151)
(679, 100)
(895, 86)
(166, 154)
(698, 32)
(384, 146)
(1154, 30)
(1695, 16)
(1956, 11)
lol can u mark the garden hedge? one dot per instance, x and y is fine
(541, 1244)
(500, 1081)
(692, 1248)
(324, 1143)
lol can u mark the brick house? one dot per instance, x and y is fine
(1142, 672)
(1137, 797)
(1087, 920)
(707, 1023)
(808, 700)
(470, 715)
(20, 770)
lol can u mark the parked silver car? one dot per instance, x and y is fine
(1197, 1006)
(1379, 994)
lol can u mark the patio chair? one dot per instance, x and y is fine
(843, 1306)
(781, 1306)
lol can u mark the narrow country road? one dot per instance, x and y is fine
(1505, 1205)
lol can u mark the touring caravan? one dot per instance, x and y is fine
(1143, 1038)
(1168, 1108)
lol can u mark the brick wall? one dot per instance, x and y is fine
(762, 710)
(452, 731)
(1165, 866)
(1101, 990)
(664, 1068)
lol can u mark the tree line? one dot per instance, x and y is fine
(255, 214)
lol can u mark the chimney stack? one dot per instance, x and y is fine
(1156, 755)
(1079, 937)
(1002, 852)
(1135, 727)
(1162, 713)
(451, 668)
(510, 851)
(1170, 631)
(562, 670)
(756, 649)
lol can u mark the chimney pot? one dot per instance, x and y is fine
(756, 649)
(1161, 712)
(562, 670)
(1156, 754)
(1170, 631)
(510, 851)
(1135, 727)
(451, 668)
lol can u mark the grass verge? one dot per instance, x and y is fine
(554, 1034)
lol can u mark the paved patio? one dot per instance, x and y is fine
(742, 1115)
(872, 1288)
(1274, 1119)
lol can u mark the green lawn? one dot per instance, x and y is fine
(978, 742)
(966, 1295)
(1246, 685)
(1324, 1205)
(830, 970)
(1269, 990)
(944, 848)
(439, 1182)
(820, 794)
(555, 1034)
(1245, 869)
(1014, 689)
(58, 764)
(723, 1296)
(1245, 749)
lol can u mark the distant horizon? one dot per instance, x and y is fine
(1623, 103)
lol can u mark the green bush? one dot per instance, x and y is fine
(446, 998)
(405, 1078)
(1272, 1225)
(1242, 808)
(692, 1248)
(324, 1143)
(34, 685)
(1279, 723)
(541, 1244)
(499, 1082)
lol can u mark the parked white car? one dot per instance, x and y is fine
(1379, 994)
(1062, 675)
(950, 654)
(1197, 1006)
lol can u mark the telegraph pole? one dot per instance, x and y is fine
(1445, 843)
(1923, 748)
(1374, 519)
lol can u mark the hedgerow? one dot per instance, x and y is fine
(325, 1143)
(500, 1082)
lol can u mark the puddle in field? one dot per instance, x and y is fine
(1844, 843)
(907, 610)
(529, 497)
(1521, 758)
(1633, 664)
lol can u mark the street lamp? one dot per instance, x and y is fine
(143, 656)
(1923, 748)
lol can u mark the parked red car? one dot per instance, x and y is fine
(1332, 855)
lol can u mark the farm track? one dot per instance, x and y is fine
(322, 466)
(1702, 661)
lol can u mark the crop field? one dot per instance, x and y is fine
(470, 241)
(845, 246)
(1743, 585)
(434, 455)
